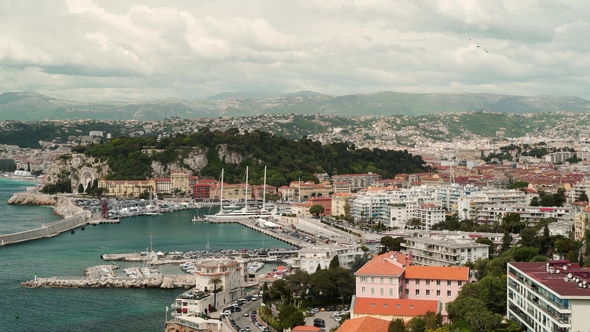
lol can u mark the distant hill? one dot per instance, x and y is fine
(26, 106)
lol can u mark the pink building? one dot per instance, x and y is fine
(391, 276)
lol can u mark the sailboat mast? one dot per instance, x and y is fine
(246, 198)
(221, 194)
(264, 190)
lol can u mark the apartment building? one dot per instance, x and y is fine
(529, 214)
(470, 204)
(309, 258)
(127, 188)
(357, 181)
(179, 179)
(339, 201)
(429, 214)
(549, 297)
(443, 251)
(163, 186)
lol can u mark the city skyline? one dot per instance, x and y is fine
(106, 50)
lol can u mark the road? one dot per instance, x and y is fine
(243, 321)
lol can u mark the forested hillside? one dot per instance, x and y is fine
(287, 160)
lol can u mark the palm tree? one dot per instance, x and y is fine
(215, 281)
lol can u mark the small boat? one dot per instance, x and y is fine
(197, 219)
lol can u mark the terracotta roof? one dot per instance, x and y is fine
(394, 307)
(437, 272)
(384, 264)
(306, 329)
(362, 324)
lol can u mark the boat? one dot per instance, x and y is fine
(197, 219)
(245, 212)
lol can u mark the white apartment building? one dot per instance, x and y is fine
(200, 299)
(308, 259)
(549, 297)
(529, 214)
(429, 214)
(449, 195)
(469, 204)
(443, 251)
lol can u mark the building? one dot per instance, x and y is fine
(308, 259)
(363, 324)
(200, 299)
(163, 186)
(429, 214)
(201, 191)
(339, 202)
(554, 296)
(127, 188)
(443, 251)
(179, 179)
(388, 287)
(357, 181)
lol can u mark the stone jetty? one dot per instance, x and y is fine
(102, 277)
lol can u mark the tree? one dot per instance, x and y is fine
(335, 262)
(289, 317)
(316, 210)
(215, 281)
(415, 223)
(583, 197)
(397, 325)
(506, 241)
(490, 243)
(391, 244)
(80, 188)
(358, 262)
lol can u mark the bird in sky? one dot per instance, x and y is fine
(477, 45)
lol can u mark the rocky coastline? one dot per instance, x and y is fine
(64, 207)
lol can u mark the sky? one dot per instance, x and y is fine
(99, 50)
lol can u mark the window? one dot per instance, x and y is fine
(438, 282)
(381, 280)
(438, 293)
(448, 293)
(372, 279)
(417, 292)
(391, 292)
(428, 292)
(364, 279)
(407, 281)
(363, 290)
(427, 282)
(460, 283)
(373, 291)
(449, 282)
(407, 292)
(417, 282)
(381, 291)
(391, 280)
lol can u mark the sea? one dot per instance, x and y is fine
(67, 255)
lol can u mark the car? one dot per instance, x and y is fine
(318, 322)
(245, 314)
(253, 312)
(226, 312)
(238, 309)
(247, 328)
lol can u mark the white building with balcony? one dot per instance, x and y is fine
(549, 297)
(443, 251)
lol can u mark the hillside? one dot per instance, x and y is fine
(28, 106)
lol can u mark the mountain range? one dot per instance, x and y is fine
(30, 106)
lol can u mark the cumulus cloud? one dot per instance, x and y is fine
(105, 50)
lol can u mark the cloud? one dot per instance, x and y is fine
(104, 50)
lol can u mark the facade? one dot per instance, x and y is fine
(339, 201)
(391, 279)
(163, 186)
(469, 205)
(179, 179)
(357, 181)
(429, 214)
(127, 188)
(442, 251)
(201, 191)
(529, 214)
(554, 296)
(308, 259)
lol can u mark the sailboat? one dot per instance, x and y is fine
(244, 213)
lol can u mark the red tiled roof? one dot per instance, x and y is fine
(437, 272)
(363, 324)
(306, 329)
(384, 264)
(394, 307)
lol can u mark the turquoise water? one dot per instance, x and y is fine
(67, 255)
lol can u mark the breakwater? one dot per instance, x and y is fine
(279, 236)
(167, 282)
(45, 231)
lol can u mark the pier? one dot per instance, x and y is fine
(45, 231)
(285, 238)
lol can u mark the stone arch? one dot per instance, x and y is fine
(87, 176)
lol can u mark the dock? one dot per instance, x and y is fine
(285, 238)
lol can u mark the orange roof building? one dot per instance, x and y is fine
(363, 324)
(389, 309)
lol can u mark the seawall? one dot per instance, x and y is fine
(47, 230)
(167, 282)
